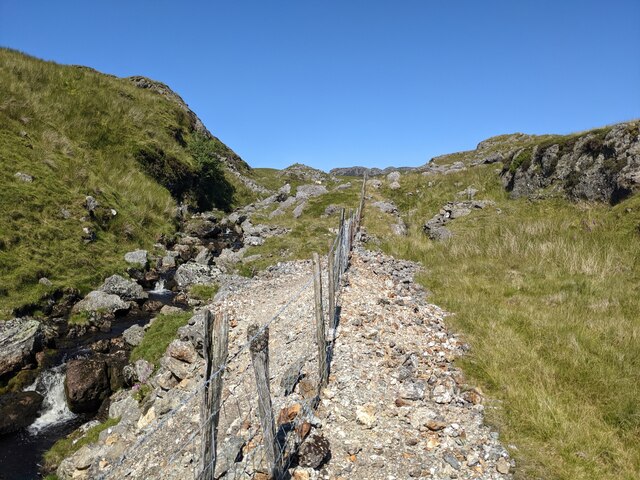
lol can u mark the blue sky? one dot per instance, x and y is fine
(338, 83)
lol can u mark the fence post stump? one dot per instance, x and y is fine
(259, 349)
(320, 333)
(215, 345)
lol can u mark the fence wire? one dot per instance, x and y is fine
(238, 446)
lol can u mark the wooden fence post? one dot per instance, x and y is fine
(259, 349)
(332, 291)
(215, 354)
(320, 334)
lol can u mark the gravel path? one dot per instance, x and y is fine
(394, 408)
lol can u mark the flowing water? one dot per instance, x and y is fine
(21, 452)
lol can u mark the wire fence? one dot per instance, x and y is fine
(252, 410)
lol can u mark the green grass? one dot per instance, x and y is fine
(547, 293)
(203, 292)
(65, 447)
(311, 232)
(79, 132)
(158, 337)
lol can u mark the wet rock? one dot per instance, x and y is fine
(18, 410)
(124, 288)
(86, 384)
(20, 339)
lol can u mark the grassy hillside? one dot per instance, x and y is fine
(76, 132)
(547, 294)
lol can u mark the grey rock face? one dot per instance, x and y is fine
(20, 339)
(124, 288)
(204, 257)
(600, 166)
(101, 302)
(298, 210)
(435, 227)
(308, 191)
(137, 258)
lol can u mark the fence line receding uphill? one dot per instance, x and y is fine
(232, 425)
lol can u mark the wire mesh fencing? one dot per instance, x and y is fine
(250, 404)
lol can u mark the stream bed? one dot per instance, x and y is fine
(21, 452)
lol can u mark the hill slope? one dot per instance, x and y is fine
(68, 133)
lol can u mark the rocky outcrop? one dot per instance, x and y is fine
(20, 339)
(18, 410)
(435, 227)
(600, 165)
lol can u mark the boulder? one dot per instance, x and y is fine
(194, 273)
(393, 177)
(20, 339)
(308, 191)
(314, 451)
(394, 186)
(299, 209)
(23, 177)
(124, 288)
(101, 302)
(182, 350)
(202, 228)
(86, 384)
(385, 207)
(204, 257)
(438, 234)
(133, 335)
(137, 258)
(18, 410)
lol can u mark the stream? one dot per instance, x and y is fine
(21, 452)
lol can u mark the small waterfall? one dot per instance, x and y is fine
(54, 410)
(159, 286)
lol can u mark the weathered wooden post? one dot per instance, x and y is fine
(332, 290)
(259, 348)
(215, 345)
(320, 333)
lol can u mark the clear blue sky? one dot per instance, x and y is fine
(343, 82)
